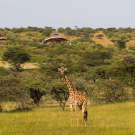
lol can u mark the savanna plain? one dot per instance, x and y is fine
(110, 119)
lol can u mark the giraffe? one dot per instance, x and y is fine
(76, 98)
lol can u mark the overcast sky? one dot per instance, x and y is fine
(63, 13)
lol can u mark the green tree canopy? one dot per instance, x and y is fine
(16, 56)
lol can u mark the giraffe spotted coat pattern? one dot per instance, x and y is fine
(76, 98)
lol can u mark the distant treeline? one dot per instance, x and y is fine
(68, 30)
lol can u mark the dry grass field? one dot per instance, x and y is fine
(25, 66)
(111, 119)
(102, 40)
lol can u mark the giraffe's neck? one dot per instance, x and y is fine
(69, 84)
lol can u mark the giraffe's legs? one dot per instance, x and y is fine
(84, 107)
(74, 115)
(80, 107)
(85, 112)
(71, 107)
(75, 107)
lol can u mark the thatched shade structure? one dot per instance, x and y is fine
(55, 38)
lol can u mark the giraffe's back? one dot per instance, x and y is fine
(78, 97)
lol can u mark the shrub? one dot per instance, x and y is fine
(109, 91)
(16, 56)
(13, 89)
(3, 71)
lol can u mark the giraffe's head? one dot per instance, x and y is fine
(62, 70)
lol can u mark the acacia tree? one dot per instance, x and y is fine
(59, 93)
(13, 89)
(16, 56)
(61, 96)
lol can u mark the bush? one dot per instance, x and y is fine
(16, 56)
(13, 90)
(10, 106)
(3, 71)
(59, 93)
(109, 91)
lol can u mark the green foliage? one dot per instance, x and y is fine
(96, 57)
(16, 56)
(12, 89)
(59, 93)
(109, 91)
(3, 71)
(105, 73)
(48, 30)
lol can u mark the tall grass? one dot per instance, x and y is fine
(111, 119)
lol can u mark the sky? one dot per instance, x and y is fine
(67, 13)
